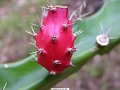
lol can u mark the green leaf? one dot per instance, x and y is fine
(28, 75)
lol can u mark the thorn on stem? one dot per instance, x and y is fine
(52, 73)
(73, 14)
(54, 38)
(6, 66)
(70, 50)
(78, 32)
(65, 26)
(40, 51)
(40, 22)
(57, 62)
(53, 9)
(78, 45)
(113, 37)
(4, 86)
(102, 28)
(71, 64)
(34, 24)
(34, 57)
(32, 33)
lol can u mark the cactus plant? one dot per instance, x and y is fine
(28, 75)
(54, 40)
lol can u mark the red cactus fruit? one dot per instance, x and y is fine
(55, 41)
